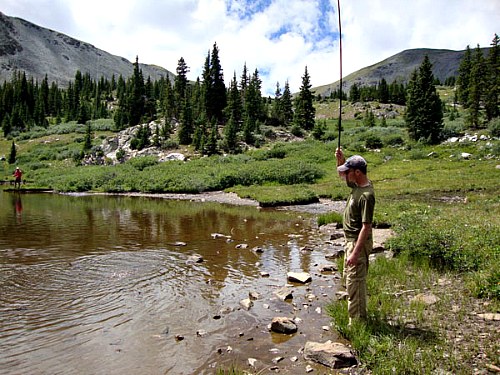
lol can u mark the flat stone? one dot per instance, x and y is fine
(426, 298)
(284, 293)
(490, 316)
(301, 277)
(330, 354)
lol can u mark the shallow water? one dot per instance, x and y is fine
(103, 285)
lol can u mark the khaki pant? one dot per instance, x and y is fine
(355, 278)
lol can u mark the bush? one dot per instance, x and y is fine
(494, 127)
(373, 141)
(140, 163)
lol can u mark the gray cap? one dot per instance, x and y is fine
(354, 162)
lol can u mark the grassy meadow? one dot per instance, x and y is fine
(443, 205)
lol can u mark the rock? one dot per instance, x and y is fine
(465, 155)
(173, 156)
(219, 235)
(178, 243)
(276, 360)
(328, 268)
(246, 303)
(337, 253)
(252, 362)
(331, 354)
(426, 298)
(336, 235)
(258, 249)
(195, 259)
(490, 316)
(283, 325)
(309, 369)
(342, 295)
(201, 333)
(301, 277)
(264, 274)
(254, 295)
(241, 246)
(284, 293)
(493, 368)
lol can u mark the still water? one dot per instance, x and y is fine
(103, 284)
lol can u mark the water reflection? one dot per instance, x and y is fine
(101, 285)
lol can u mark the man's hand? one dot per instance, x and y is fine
(340, 156)
(352, 260)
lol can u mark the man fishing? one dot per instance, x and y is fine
(18, 175)
(357, 222)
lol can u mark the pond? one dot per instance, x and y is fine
(95, 284)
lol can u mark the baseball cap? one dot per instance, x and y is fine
(354, 162)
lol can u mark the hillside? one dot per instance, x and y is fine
(38, 51)
(445, 64)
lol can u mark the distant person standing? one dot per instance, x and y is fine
(357, 223)
(18, 176)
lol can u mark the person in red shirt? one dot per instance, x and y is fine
(18, 175)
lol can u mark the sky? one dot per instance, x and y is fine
(279, 38)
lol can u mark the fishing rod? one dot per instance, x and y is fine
(340, 90)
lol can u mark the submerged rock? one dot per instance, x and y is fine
(283, 325)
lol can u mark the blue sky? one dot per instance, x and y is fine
(277, 37)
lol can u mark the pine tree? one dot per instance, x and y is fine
(186, 124)
(136, 96)
(354, 93)
(218, 97)
(277, 113)
(476, 88)
(463, 80)
(492, 101)
(287, 104)
(180, 83)
(231, 136)
(12, 155)
(304, 108)
(234, 106)
(211, 142)
(383, 91)
(87, 144)
(424, 111)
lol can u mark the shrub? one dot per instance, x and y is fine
(494, 127)
(140, 163)
(373, 141)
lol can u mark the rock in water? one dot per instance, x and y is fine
(301, 277)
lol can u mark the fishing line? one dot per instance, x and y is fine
(340, 90)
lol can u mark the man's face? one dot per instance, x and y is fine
(350, 178)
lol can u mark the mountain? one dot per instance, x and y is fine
(445, 64)
(38, 51)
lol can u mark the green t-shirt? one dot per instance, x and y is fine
(359, 209)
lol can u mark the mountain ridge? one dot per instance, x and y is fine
(25, 46)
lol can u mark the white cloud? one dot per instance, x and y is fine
(278, 37)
